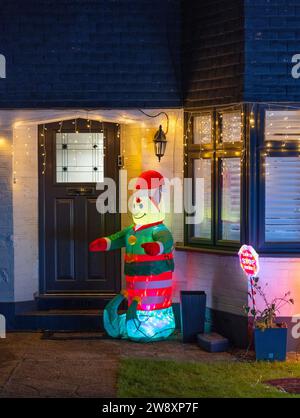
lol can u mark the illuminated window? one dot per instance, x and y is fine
(231, 198)
(279, 226)
(202, 169)
(202, 129)
(282, 216)
(214, 149)
(253, 152)
(231, 127)
(79, 157)
(282, 125)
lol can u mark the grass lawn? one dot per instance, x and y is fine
(151, 378)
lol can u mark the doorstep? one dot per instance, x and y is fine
(61, 320)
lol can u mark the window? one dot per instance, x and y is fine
(202, 129)
(282, 199)
(249, 160)
(231, 199)
(202, 169)
(282, 125)
(280, 181)
(231, 127)
(79, 157)
(213, 153)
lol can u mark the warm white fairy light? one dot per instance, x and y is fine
(252, 120)
(231, 126)
(44, 152)
(202, 129)
(13, 162)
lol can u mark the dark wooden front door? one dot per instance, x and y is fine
(73, 157)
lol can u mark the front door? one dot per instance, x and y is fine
(74, 155)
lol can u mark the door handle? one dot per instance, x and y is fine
(81, 191)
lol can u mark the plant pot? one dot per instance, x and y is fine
(270, 344)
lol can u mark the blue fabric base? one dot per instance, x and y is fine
(146, 326)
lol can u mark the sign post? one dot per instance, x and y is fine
(249, 261)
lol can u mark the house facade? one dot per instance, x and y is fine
(84, 86)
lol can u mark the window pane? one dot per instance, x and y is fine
(202, 129)
(282, 199)
(202, 169)
(231, 130)
(283, 125)
(79, 157)
(231, 198)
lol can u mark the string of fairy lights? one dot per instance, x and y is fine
(75, 122)
(231, 125)
(235, 127)
(25, 151)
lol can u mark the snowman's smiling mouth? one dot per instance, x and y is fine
(140, 217)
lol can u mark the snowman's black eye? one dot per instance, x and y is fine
(141, 206)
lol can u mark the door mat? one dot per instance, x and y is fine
(289, 385)
(65, 335)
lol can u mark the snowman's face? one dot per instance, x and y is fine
(145, 209)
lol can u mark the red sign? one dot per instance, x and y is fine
(249, 260)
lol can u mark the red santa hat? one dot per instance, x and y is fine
(153, 181)
(149, 180)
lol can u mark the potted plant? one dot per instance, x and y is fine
(270, 336)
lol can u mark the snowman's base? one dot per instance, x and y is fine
(136, 325)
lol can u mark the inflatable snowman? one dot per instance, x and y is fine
(148, 267)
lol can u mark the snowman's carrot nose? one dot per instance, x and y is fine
(138, 200)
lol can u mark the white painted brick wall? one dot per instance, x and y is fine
(219, 276)
(6, 221)
(278, 276)
(25, 201)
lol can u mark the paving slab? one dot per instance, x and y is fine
(84, 364)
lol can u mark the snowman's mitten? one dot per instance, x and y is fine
(100, 244)
(152, 248)
(164, 239)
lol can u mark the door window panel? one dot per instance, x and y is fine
(79, 157)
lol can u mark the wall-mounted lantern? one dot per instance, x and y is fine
(160, 143)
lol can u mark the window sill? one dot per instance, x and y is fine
(233, 252)
(217, 251)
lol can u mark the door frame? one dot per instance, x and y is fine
(111, 170)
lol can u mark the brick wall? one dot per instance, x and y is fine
(138, 150)
(213, 50)
(218, 275)
(25, 213)
(6, 221)
(272, 33)
(278, 276)
(129, 53)
(83, 53)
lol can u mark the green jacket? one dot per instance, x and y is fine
(132, 240)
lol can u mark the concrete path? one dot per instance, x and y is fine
(78, 365)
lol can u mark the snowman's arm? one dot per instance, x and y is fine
(112, 242)
(164, 239)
